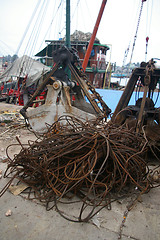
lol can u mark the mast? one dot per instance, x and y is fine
(68, 43)
(90, 46)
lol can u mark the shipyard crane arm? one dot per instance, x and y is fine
(91, 42)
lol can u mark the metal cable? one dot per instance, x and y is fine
(96, 163)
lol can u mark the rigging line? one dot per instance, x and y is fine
(35, 32)
(24, 64)
(125, 55)
(147, 33)
(88, 9)
(132, 19)
(4, 51)
(135, 37)
(36, 27)
(89, 13)
(77, 18)
(76, 11)
(27, 28)
(24, 35)
(75, 8)
(29, 45)
(39, 12)
(30, 63)
(41, 21)
(150, 17)
(1, 52)
(130, 30)
(83, 17)
(51, 22)
(125, 58)
(60, 21)
(64, 26)
(9, 48)
(147, 18)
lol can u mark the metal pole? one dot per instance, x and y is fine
(68, 43)
(90, 46)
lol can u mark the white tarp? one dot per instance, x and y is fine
(25, 66)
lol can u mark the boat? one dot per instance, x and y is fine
(98, 70)
(68, 91)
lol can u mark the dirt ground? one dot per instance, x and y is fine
(28, 220)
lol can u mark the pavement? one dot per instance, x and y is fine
(29, 220)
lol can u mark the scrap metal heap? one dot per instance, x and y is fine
(80, 159)
(96, 162)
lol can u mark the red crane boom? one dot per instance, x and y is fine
(90, 46)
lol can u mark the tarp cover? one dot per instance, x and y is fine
(25, 66)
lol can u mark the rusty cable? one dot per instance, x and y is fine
(96, 163)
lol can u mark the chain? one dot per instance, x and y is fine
(135, 37)
(95, 95)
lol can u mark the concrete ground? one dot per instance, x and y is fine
(30, 221)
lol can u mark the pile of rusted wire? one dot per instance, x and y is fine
(93, 161)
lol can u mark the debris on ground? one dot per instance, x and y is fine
(10, 116)
(95, 162)
(3, 159)
(10, 121)
(10, 125)
(16, 190)
(8, 213)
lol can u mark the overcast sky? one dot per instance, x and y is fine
(117, 27)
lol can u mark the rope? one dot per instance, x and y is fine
(35, 33)
(75, 8)
(27, 28)
(59, 21)
(135, 37)
(28, 62)
(130, 29)
(36, 26)
(148, 26)
(54, 15)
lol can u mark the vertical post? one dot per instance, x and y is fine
(68, 43)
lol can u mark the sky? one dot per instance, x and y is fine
(20, 33)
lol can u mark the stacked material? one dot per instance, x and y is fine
(93, 161)
(81, 36)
